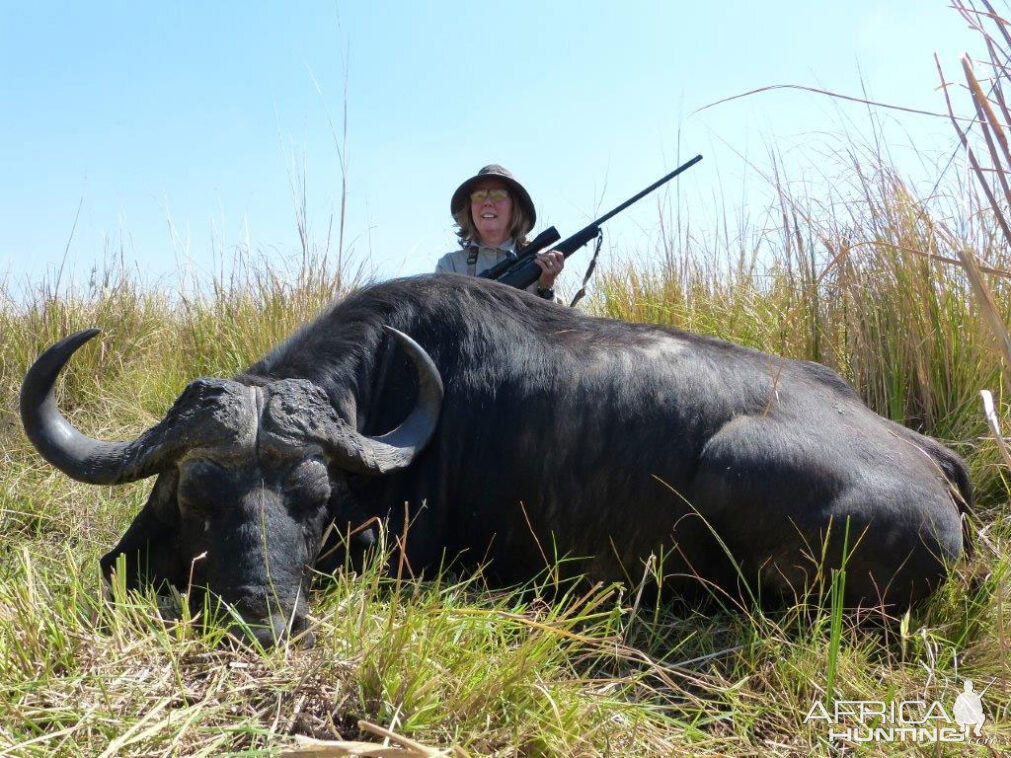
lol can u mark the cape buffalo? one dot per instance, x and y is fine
(519, 428)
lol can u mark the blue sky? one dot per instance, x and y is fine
(177, 127)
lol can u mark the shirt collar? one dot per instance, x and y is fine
(509, 246)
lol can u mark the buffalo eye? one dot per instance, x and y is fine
(308, 483)
(204, 484)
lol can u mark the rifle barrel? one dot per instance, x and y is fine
(635, 198)
(523, 272)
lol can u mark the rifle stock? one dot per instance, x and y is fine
(538, 243)
(523, 272)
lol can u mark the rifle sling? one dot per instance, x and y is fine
(589, 269)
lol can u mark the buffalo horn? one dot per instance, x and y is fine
(56, 439)
(396, 449)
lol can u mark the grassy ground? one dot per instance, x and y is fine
(450, 663)
(871, 280)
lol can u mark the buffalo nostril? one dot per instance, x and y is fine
(298, 628)
(264, 635)
(305, 639)
(301, 632)
(270, 632)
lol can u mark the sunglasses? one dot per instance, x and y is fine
(495, 195)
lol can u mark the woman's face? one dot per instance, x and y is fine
(491, 207)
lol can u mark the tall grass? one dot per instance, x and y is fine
(450, 663)
(871, 282)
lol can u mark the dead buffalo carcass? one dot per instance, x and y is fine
(506, 426)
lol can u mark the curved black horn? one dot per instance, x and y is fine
(57, 440)
(395, 450)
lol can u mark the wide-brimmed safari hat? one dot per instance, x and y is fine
(462, 195)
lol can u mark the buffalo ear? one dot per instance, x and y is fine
(151, 543)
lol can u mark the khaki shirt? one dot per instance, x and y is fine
(455, 262)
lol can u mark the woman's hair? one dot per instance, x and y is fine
(466, 231)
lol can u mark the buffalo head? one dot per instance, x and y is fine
(249, 478)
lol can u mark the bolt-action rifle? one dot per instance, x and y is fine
(522, 271)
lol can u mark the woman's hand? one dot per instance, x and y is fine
(551, 263)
